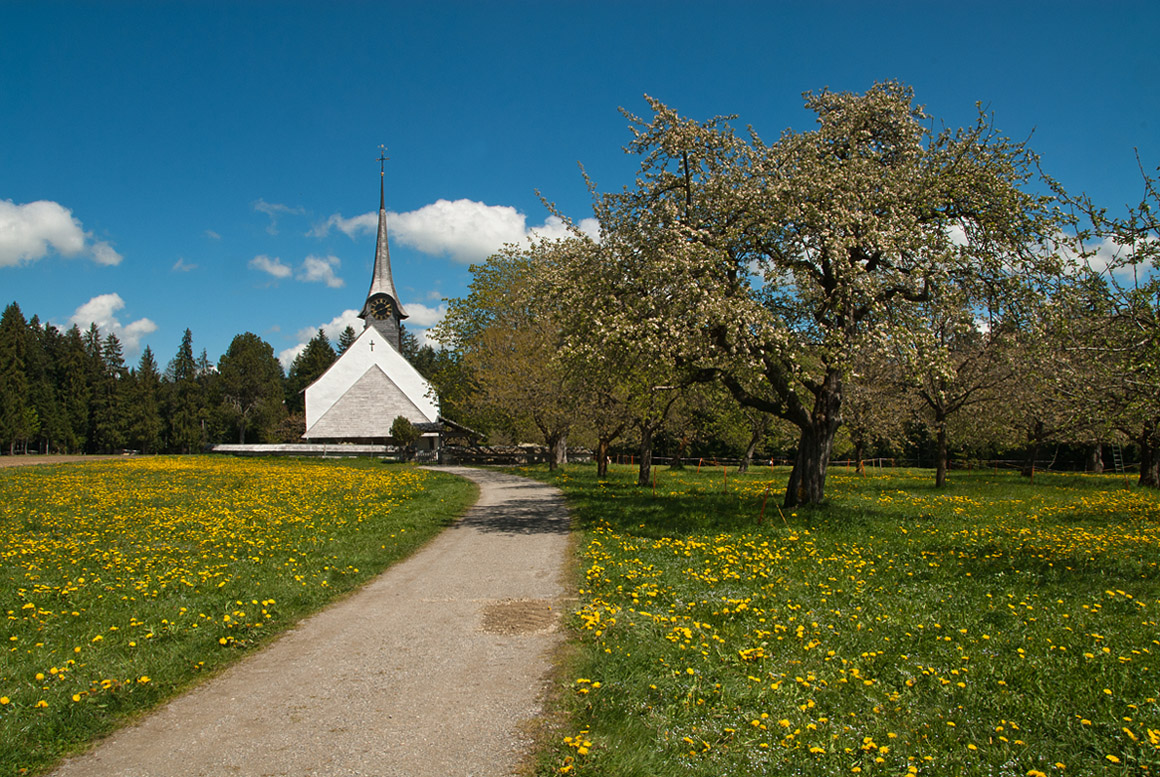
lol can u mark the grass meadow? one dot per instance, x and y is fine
(995, 627)
(123, 582)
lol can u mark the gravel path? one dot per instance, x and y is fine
(430, 669)
(26, 460)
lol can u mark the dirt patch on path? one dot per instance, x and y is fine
(434, 668)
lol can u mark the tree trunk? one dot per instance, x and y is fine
(940, 472)
(1029, 467)
(644, 474)
(759, 427)
(1035, 438)
(860, 455)
(602, 458)
(1095, 458)
(807, 479)
(1150, 455)
(682, 449)
(747, 459)
(552, 441)
(559, 451)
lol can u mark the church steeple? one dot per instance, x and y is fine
(382, 308)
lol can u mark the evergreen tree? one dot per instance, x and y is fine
(143, 416)
(71, 376)
(408, 343)
(94, 368)
(108, 398)
(346, 339)
(185, 403)
(43, 345)
(306, 368)
(17, 415)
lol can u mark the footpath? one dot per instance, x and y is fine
(433, 668)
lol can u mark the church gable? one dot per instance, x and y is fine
(373, 365)
(366, 410)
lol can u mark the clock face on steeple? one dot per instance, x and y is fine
(380, 307)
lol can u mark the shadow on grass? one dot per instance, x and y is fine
(701, 505)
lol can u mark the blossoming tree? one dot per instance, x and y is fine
(768, 266)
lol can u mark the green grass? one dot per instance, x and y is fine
(124, 582)
(996, 627)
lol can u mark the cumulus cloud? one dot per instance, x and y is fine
(29, 231)
(270, 266)
(320, 269)
(465, 230)
(422, 315)
(314, 269)
(332, 328)
(102, 311)
(367, 223)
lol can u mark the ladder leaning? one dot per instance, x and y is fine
(1118, 457)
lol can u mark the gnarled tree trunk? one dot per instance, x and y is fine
(807, 480)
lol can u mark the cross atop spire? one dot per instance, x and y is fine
(383, 159)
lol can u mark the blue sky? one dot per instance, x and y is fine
(205, 165)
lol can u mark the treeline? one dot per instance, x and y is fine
(72, 391)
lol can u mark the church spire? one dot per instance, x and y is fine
(382, 308)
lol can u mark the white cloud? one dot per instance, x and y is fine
(183, 266)
(466, 230)
(419, 314)
(554, 228)
(103, 253)
(367, 223)
(102, 311)
(288, 356)
(320, 269)
(29, 231)
(332, 328)
(424, 338)
(271, 266)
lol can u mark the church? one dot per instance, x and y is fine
(371, 383)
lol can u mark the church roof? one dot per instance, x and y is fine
(381, 280)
